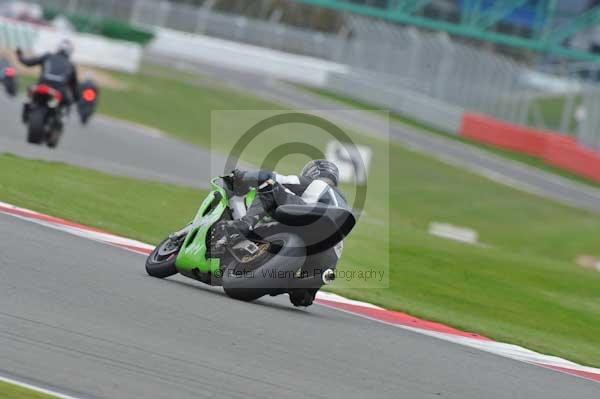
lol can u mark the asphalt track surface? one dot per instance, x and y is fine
(83, 318)
(114, 147)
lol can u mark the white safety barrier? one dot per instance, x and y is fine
(411, 103)
(15, 34)
(245, 57)
(93, 50)
(195, 48)
(90, 50)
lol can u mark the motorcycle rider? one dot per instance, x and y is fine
(58, 72)
(317, 183)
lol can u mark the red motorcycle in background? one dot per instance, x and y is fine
(44, 112)
(8, 75)
(43, 115)
(86, 106)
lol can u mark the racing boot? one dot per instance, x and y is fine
(230, 232)
(302, 297)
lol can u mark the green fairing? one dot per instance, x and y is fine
(193, 251)
(250, 197)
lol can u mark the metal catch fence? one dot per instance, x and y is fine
(385, 55)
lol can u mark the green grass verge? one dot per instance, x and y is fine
(550, 108)
(10, 391)
(523, 287)
(179, 104)
(122, 205)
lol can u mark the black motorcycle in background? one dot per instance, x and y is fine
(86, 106)
(8, 74)
(43, 115)
(44, 111)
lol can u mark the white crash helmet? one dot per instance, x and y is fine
(66, 47)
(322, 169)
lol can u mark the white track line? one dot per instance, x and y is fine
(35, 388)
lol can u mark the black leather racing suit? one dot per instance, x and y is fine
(275, 189)
(58, 72)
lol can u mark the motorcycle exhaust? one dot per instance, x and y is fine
(328, 276)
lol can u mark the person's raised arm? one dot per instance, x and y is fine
(30, 61)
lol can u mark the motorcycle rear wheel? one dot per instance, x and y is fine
(11, 86)
(250, 282)
(36, 125)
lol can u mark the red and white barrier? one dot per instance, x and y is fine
(333, 301)
(555, 149)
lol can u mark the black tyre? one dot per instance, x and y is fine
(11, 87)
(52, 142)
(161, 262)
(54, 138)
(271, 274)
(36, 125)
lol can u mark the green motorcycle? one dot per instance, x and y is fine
(295, 250)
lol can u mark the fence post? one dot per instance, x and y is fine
(524, 110)
(567, 113)
(583, 123)
(318, 42)
(164, 8)
(342, 40)
(588, 133)
(203, 15)
(445, 68)
(415, 53)
(72, 7)
(240, 23)
(135, 13)
(201, 20)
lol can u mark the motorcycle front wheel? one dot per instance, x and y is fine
(161, 262)
(85, 118)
